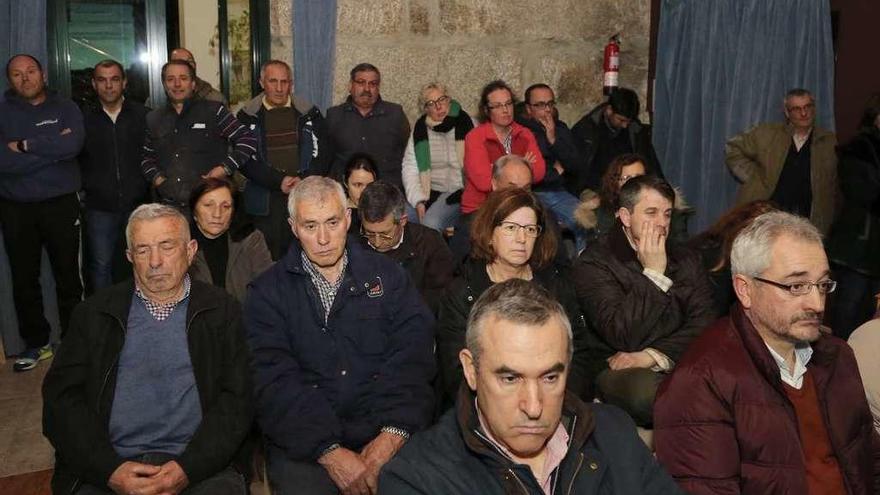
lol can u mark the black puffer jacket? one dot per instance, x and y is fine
(627, 312)
(470, 283)
(605, 456)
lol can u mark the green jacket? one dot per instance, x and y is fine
(756, 158)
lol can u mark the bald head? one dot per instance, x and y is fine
(511, 171)
(183, 54)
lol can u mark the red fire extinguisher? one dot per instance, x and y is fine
(611, 64)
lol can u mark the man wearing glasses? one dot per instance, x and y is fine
(366, 123)
(766, 400)
(793, 163)
(420, 250)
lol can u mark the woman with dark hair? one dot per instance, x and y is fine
(854, 240)
(510, 239)
(231, 251)
(714, 247)
(360, 171)
(596, 213)
(496, 136)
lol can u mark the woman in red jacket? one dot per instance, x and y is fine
(496, 136)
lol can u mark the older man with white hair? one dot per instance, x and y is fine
(766, 400)
(342, 349)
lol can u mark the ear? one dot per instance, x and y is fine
(293, 227)
(348, 218)
(191, 247)
(625, 217)
(128, 256)
(403, 220)
(124, 83)
(469, 368)
(95, 85)
(743, 288)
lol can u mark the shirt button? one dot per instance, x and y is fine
(343, 372)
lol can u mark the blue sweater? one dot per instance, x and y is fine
(156, 405)
(49, 169)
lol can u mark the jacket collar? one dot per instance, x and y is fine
(378, 109)
(577, 419)
(255, 107)
(116, 301)
(357, 263)
(823, 359)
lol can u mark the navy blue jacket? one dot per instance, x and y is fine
(370, 366)
(49, 169)
(564, 151)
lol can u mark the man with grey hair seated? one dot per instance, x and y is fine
(342, 353)
(150, 392)
(514, 428)
(766, 400)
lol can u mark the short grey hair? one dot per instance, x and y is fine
(500, 163)
(315, 188)
(279, 63)
(153, 211)
(798, 92)
(517, 301)
(750, 254)
(423, 94)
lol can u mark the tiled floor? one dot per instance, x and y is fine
(23, 449)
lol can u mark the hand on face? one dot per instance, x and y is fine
(651, 247)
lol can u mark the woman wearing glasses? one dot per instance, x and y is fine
(432, 162)
(496, 136)
(510, 239)
(596, 211)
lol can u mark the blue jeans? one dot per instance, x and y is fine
(440, 215)
(563, 204)
(104, 232)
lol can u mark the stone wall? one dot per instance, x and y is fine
(467, 43)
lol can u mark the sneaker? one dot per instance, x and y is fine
(28, 359)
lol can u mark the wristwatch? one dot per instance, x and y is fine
(396, 431)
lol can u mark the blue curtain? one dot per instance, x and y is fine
(22, 30)
(723, 66)
(314, 46)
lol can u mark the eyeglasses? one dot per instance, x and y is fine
(379, 236)
(541, 105)
(803, 288)
(443, 100)
(496, 106)
(510, 229)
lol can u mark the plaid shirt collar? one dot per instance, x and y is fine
(164, 310)
(326, 290)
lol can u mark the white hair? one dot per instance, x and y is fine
(153, 211)
(750, 254)
(314, 188)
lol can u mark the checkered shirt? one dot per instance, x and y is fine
(326, 290)
(162, 311)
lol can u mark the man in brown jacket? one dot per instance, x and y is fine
(794, 164)
(765, 400)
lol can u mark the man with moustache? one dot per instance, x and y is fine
(766, 400)
(514, 428)
(290, 141)
(644, 298)
(189, 138)
(366, 123)
(41, 133)
(111, 174)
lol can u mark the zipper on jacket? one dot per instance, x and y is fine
(116, 162)
(110, 369)
(518, 481)
(576, 471)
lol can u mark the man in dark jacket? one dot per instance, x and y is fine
(645, 299)
(765, 400)
(111, 173)
(612, 128)
(188, 139)
(558, 190)
(290, 141)
(342, 347)
(514, 429)
(420, 250)
(366, 123)
(41, 134)
(151, 392)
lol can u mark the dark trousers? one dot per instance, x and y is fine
(274, 226)
(632, 390)
(27, 229)
(853, 301)
(104, 247)
(287, 477)
(226, 482)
